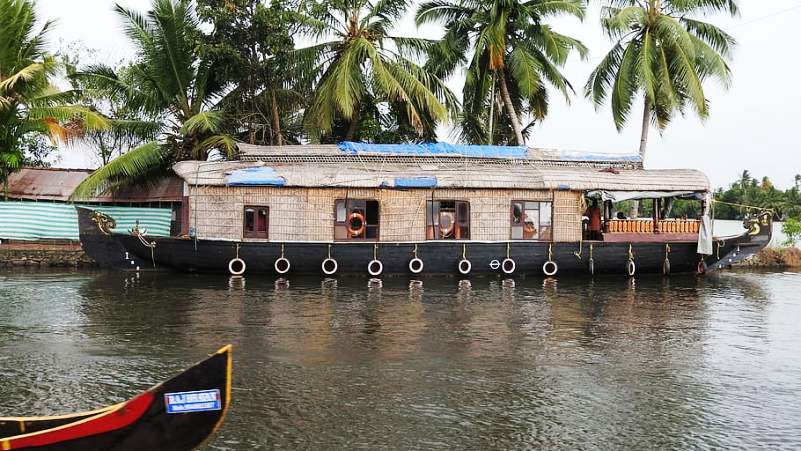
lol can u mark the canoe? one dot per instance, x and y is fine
(179, 414)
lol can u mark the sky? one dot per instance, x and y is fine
(753, 125)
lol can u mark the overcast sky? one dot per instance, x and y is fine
(755, 125)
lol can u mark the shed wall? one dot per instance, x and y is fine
(307, 214)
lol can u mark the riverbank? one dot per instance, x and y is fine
(65, 254)
(774, 257)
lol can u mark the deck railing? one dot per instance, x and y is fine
(647, 226)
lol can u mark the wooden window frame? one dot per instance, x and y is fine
(256, 233)
(347, 213)
(539, 219)
(435, 233)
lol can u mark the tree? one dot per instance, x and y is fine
(663, 54)
(128, 128)
(365, 66)
(792, 230)
(252, 41)
(30, 106)
(171, 85)
(515, 57)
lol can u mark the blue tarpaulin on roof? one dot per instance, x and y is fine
(437, 149)
(261, 176)
(416, 182)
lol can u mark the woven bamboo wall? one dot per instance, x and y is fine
(307, 214)
(566, 216)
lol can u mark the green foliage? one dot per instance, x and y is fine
(511, 57)
(747, 190)
(363, 65)
(792, 229)
(128, 128)
(172, 87)
(663, 54)
(31, 108)
(251, 40)
(38, 151)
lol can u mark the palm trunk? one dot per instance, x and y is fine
(510, 108)
(279, 138)
(354, 123)
(646, 125)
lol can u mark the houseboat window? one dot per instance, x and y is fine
(257, 220)
(356, 219)
(447, 220)
(531, 220)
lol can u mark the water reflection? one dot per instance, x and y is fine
(604, 362)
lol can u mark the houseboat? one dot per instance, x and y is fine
(415, 210)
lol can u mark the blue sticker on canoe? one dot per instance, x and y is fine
(193, 401)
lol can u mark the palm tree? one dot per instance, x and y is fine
(664, 54)
(29, 104)
(514, 54)
(364, 65)
(169, 83)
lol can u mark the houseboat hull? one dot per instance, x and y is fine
(129, 251)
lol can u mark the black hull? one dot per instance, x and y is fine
(439, 257)
(140, 424)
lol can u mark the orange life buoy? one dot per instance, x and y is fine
(447, 222)
(356, 224)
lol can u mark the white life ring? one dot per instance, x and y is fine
(465, 266)
(508, 266)
(282, 265)
(416, 265)
(231, 266)
(631, 268)
(375, 267)
(550, 268)
(329, 266)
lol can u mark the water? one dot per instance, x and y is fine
(668, 363)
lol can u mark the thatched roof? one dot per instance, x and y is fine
(450, 174)
(333, 154)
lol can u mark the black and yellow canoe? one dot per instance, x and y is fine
(179, 414)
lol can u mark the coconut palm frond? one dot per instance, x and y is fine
(125, 168)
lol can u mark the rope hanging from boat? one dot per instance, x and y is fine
(151, 245)
(749, 207)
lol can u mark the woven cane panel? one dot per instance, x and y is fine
(307, 214)
(566, 216)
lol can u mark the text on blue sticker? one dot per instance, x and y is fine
(193, 401)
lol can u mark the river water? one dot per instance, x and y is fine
(607, 363)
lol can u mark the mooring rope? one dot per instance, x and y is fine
(750, 207)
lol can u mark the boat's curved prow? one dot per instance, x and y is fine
(94, 231)
(179, 414)
(734, 249)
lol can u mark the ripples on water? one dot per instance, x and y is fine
(673, 363)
